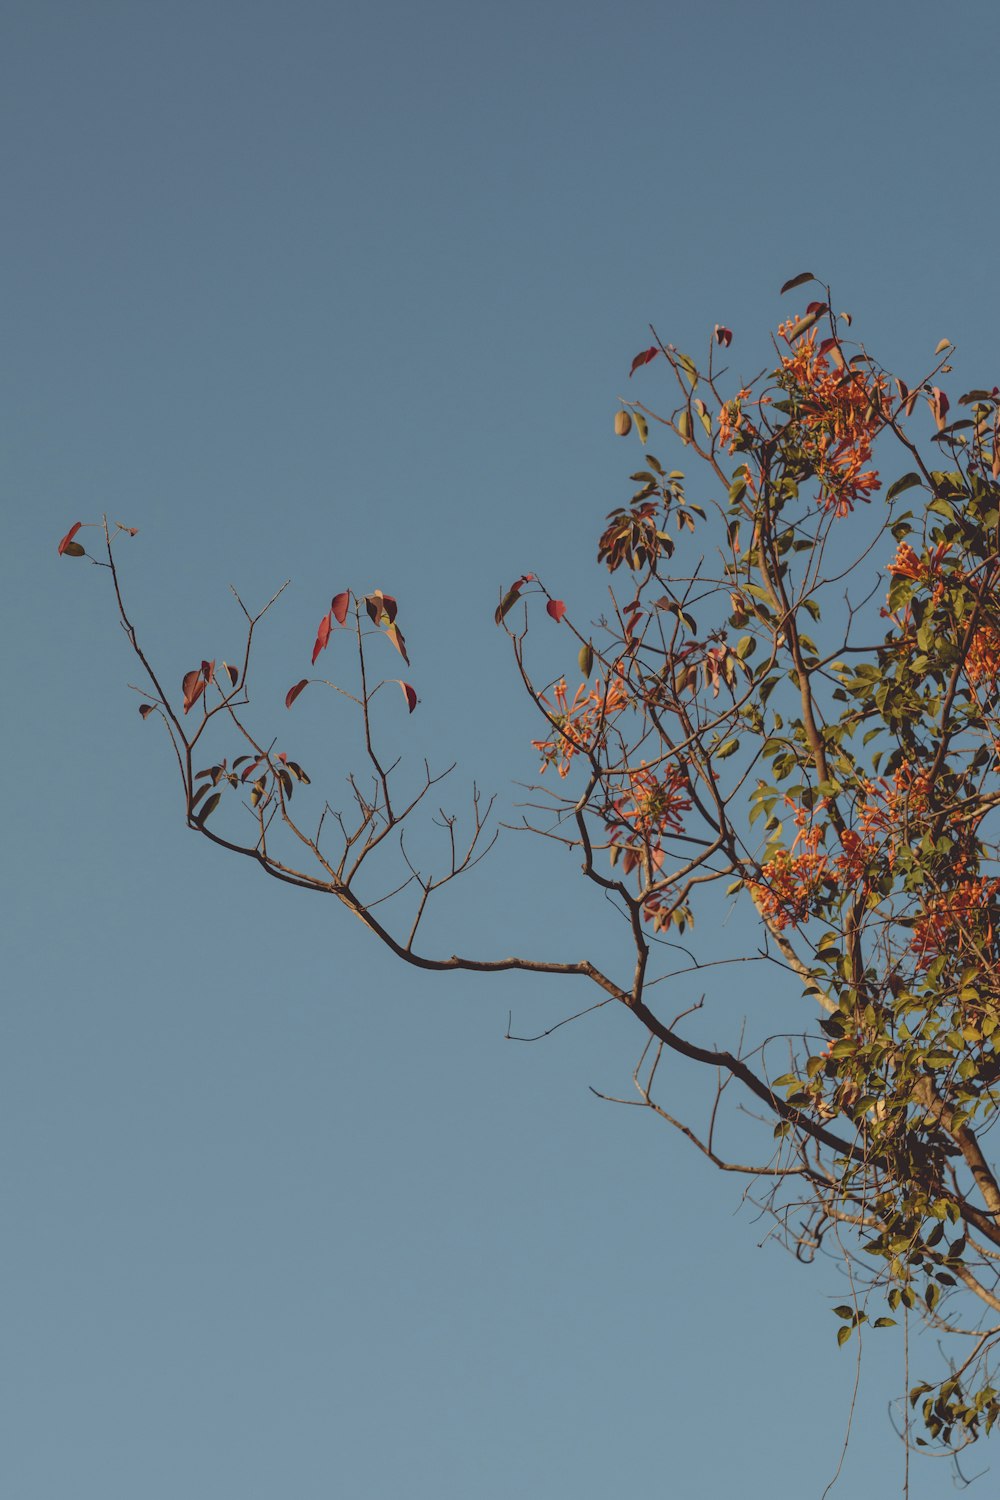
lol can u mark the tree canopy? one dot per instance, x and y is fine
(790, 704)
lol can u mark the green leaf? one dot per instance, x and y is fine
(507, 603)
(799, 280)
(209, 808)
(901, 485)
(687, 364)
(843, 1334)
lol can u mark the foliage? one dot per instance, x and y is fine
(793, 704)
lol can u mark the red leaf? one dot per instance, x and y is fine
(339, 607)
(939, 405)
(322, 637)
(381, 607)
(146, 709)
(193, 686)
(409, 693)
(723, 336)
(643, 359)
(396, 637)
(208, 671)
(556, 608)
(283, 757)
(293, 692)
(831, 347)
(233, 673)
(251, 768)
(71, 533)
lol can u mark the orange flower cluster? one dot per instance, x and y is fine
(735, 427)
(957, 920)
(906, 564)
(839, 416)
(732, 422)
(580, 725)
(650, 806)
(890, 808)
(982, 663)
(858, 853)
(791, 883)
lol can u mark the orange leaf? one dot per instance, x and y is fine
(193, 686)
(556, 608)
(396, 637)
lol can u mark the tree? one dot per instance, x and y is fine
(792, 704)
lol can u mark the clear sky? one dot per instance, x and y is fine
(347, 294)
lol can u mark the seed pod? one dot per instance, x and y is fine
(623, 423)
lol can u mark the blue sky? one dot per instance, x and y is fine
(347, 294)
